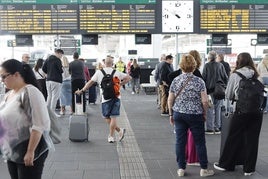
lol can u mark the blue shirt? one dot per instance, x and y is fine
(189, 100)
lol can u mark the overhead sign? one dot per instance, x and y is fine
(219, 39)
(90, 39)
(262, 39)
(24, 40)
(143, 38)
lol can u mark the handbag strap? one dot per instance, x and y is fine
(187, 81)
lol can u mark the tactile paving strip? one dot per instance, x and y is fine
(131, 162)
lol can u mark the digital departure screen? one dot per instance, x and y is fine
(233, 16)
(77, 16)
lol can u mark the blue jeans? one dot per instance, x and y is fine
(111, 108)
(214, 115)
(195, 123)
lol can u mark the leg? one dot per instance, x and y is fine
(210, 119)
(217, 106)
(13, 170)
(252, 133)
(198, 131)
(49, 94)
(34, 172)
(163, 99)
(234, 143)
(56, 88)
(133, 85)
(181, 137)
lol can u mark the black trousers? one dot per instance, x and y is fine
(78, 84)
(20, 171)
(246, 128)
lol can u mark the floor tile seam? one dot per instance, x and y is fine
(129, 151)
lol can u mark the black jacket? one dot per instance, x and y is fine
(164, 72)
(176, 73)
(214, 72)
(53, 68)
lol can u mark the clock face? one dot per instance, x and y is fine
(177, 16)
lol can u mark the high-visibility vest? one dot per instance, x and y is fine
(120, 66)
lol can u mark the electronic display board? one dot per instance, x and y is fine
(233, 16)
(79, 16)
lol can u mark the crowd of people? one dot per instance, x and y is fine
(186, 95)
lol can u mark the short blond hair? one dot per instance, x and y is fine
(187, 63)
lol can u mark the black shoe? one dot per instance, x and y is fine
(217, 167)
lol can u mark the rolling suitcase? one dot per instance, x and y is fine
(78, 124)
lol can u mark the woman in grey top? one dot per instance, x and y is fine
(243, 136)
(188, 102)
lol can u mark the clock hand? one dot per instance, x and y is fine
(177, 16)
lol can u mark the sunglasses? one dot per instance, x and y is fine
(5, 76)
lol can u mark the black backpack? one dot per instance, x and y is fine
(107, 85)
(250, 95)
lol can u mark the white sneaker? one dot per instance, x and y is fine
(132, 92)
(111, 139)
(180, 172)
(248, 174)
(122, 134)
(206, 172)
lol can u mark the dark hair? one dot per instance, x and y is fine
(76, 55)
(39, 64)
(169, 57)
(244, 60)
(59, 51)
(12, 66)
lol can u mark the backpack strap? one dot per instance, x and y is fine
(240, 74)
(103, 72)
(113, 72)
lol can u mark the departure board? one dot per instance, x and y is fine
(78, 16)
(233, 16)
(117, 18)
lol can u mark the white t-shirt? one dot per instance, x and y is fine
(97, 77)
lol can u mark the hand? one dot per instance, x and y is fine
(29, 158)
(78, 91)
(171, 120)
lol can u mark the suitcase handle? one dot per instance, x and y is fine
(76, 103)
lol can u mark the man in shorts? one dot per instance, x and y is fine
(110, 107)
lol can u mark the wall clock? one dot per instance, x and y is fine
(177, 16)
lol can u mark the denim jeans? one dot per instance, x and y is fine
(195, 123)
(214, 115)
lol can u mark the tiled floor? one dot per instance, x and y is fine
(147, 151)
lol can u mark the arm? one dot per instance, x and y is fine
(125, 79)
(35, 137)
(171, 99)
(86, 87)
(204, 100)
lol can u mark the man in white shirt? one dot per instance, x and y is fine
(110, 107)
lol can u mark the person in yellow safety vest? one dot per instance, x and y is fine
(121, 66)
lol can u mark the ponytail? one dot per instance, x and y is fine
(12, 66)
(28, 75)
